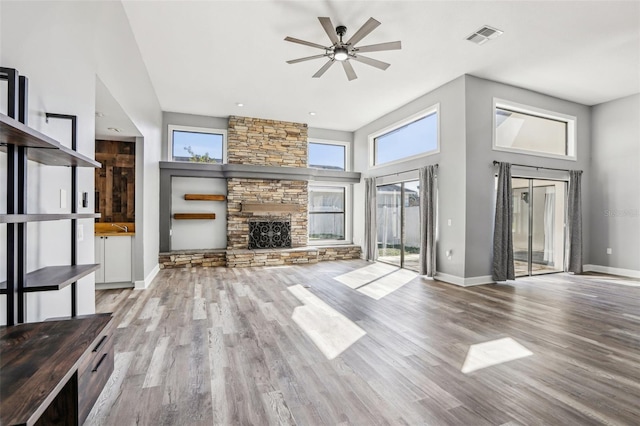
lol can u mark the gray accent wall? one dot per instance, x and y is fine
(614, 209)
(480, 181)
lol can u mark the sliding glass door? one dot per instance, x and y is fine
(538, 225)
(398, 219)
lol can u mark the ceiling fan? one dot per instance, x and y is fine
(344, 51)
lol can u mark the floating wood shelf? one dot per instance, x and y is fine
(191, 216)
(269, 208)
(205, 197)
(24, 218)
(41, 148)
(53, 277)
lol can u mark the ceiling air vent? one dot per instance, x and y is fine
(484, 34)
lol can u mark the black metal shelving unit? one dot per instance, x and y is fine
(22, 144)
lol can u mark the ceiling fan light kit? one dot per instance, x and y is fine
(342, 51)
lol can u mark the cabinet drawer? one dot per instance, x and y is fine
(94, 372)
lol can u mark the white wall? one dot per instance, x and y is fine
(614, 210)
(61, 47)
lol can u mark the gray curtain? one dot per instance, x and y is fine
(574, 222)
(503, 268)
(428, 221)
(371, 229)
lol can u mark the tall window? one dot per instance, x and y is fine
(330, 156)
(528, 130)
(415, 137)
(327, 213)
(197, 145)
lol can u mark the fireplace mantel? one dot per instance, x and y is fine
(269, 208)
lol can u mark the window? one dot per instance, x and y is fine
(197, 145)
(415, 137)
(528, 130)
(328, 155)
(327, 213)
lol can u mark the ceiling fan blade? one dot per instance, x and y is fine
(364, 31)
(306, 43)
(324, 68)
(308, 58)
(348, 69)
(391, 45)
(329, 29)
(373, 62)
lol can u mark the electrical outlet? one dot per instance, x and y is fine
(80, 234)
(609, 251)
(449, 222)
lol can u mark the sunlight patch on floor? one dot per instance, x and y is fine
(366, 275)
(487, 354)
(388, 284)
(331, 331)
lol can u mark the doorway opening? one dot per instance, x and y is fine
(538, 225)
(398, 223)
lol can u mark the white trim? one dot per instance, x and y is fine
(464, 282)
(631, 273)
(348, 146)
(144, 284)
(348, 215)
(209, 130)
(434, 109)
(572, 125)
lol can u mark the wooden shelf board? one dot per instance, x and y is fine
(53, 277)
(45, 217)
(205, 197)
(40, 147)
(270, 208)
(193, 216)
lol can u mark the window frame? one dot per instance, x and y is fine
(192, 129)
(347, 151)
(570, 120)
(348, 196)
(434, 109)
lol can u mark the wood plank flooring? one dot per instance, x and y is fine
(219, 346)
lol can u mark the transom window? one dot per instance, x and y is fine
(328, 155)
(327, 213)
(411, 138)
(528, 130)
(197, 145)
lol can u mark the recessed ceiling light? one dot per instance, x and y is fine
(312, 113)
(99, 114)
(240, 104)
(113, 129)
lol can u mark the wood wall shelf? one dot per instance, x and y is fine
(270, 208)
(24, 218)
(194, 216)
(53, 277)
(205, 197)
(41, 148)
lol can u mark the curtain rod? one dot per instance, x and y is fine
(405, 171)
(536, 167)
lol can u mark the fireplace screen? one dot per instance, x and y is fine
(269, 233)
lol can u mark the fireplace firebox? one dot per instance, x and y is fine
(265, 233)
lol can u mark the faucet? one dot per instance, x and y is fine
(124, 228)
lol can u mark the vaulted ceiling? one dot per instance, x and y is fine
(204, 57)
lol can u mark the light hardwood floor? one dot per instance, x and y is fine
(220, 346)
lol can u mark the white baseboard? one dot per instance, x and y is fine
(144, 284)
(464, 282)
(613, 271)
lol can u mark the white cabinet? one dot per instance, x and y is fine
(114, 255)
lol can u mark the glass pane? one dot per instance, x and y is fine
(548, 227)
(411, 225)
(326, 199)
(530, 133)
(388, 199)
(520, 225)
(325, 156)
(326, 226)
(197, 147)
(415, 138)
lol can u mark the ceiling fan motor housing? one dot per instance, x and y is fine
(341, 30)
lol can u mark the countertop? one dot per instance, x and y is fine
(114, 234)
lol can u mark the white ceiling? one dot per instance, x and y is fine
(110, 115)
(203, 57)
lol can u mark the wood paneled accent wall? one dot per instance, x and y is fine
(115, 181)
